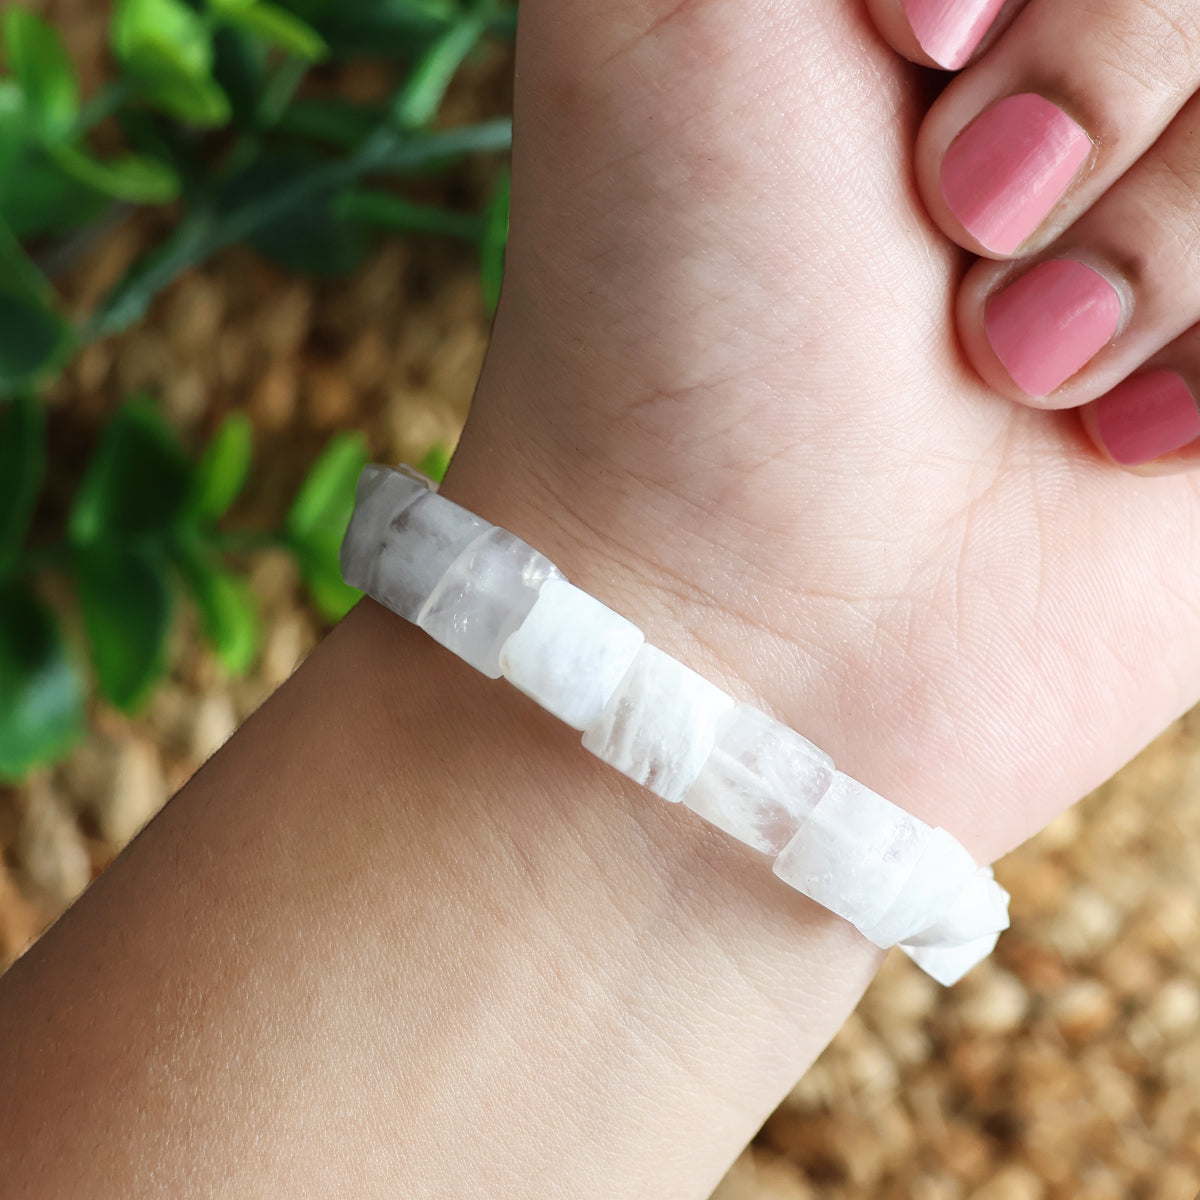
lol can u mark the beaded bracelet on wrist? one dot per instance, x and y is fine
(508, 611)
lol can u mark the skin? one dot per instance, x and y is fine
(402, 936)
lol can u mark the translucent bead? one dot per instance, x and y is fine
(570, 653)
(660, 725)
(979, 907)
(948, 964)
(381, 496)
(483, 597)
(938, 875)
(854, 853)
(760, 781)
(419, 545)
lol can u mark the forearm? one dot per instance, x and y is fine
(403, 936)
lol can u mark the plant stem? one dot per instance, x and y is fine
(59, 259)
(104, 103)
(203, 233)
(388, 211)
(280, 89)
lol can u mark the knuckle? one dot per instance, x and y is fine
(1153, 45)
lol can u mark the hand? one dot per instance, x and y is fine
(724, 395)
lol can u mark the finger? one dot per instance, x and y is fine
(1150, 423)
(942, 33)
(1118, 287)
(1037, 130)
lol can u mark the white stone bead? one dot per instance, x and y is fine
(854, 853)
(948, 964)
(760, 781)
(978, 908)
(484, 596)
(939, 875)
(419, 545)
(570, 653)
(381, 495)
(660, 725)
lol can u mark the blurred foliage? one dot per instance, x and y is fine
(210, 107)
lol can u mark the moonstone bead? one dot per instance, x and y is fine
(381, 495)
(760, 781)
(415, 547)
(948, 964)
(980, 907)
(854, 853)
(660, 725)
(938, 878)
(484, 596)
(570, 653)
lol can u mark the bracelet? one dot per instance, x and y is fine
(508, 611)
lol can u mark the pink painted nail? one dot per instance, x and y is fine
(949, 30)
(1009, 167)
(1146, 417)
(1045, 326)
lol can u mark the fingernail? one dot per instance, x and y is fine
(1045, 326)
(949, 30)
(1009, 167)
(1146, 417)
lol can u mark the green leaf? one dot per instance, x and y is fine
(168, 49)
(228, 612)
(275, 25)
(239, 67)
(494, 244)
(397, 28)
(303, 234)
(198, 101)
(165, 31)
(309, 238)
(222, 469)
(317, 520)
(15, 133)
(389, 211)
(125, 596)
(41, 698)
(331, 120)
(18, 274)
(37, 197)
(333, 597)
(436, 462)
(417, 102)
(22, 468)
(136, 483)
(134, 178)
(326, 498)
(31, 339)
(32, 334)
(414, 155)
(38, 59)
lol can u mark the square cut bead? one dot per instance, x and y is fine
(939, 876)
(380, 497)
(760, 781)
(948, 964)
(660, 725)
(979, 908)
(419, 545)
(854, 853)
(484, 596)
(570, 653)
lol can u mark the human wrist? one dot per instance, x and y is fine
(703, 983)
